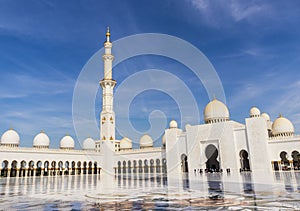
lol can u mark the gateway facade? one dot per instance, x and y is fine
(218, 144)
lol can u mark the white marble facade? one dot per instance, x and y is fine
(219, 144)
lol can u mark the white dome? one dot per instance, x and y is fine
(67, 142)
(125, 143)
(254, 112)
(268, 120)
(216, 111)
(88, 144)
(146, 141)
(187, 126)
(41, 140)
(163, 138)
(10, 138)
(173, 124)
(266, 117)
(282, 127)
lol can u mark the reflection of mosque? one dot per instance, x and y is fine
(217, 145)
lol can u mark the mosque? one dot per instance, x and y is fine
(216, 145)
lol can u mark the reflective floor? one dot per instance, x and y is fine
(239, 191)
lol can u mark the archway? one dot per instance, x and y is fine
(129, 167)
(53, 168)
(296, 160)
(67, 165)
(31, 168)
(134, 167)
(119, 167)
(46, 168)
(13, 170)
(151, 166)
(140, 166)
(212, 164)
(60, 168)
(90, 168)
(38, 168)
(184, 163)
(4, 170)
(95, 168)
(73, 168)
(78, 167)
(245, 164)
(158, 167)
(164, 165)
(146, 167)
(84, 167)
(124, 167)
(22, 172)
(285, 164)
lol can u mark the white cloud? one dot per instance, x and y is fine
(222, 13)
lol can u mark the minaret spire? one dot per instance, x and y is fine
(107, 116)
(107, 35)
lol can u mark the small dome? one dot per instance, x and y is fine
(67, 142)
(146, 141)
(41, 140)
(163, 139)
(266, 117)
(216, 111)
(10, 138)
(282, 127)
(187, 126)
(88, 144)
(268, 120)
(254, 112)
(125, 143)
(173, 124)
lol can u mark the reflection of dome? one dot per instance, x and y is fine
(216, 111)
(67, 142)
(266, 117)
(41, 140)
(163, 139)
(125, 144)
(282, 127)
(173, 124)
(254, 112)
(146, 141)
(10, 138)
(88, 144)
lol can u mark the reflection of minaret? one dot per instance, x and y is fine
(107, 116)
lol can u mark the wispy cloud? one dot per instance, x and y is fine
(221, 13)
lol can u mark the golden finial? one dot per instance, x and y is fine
(214, 97)
(42, 131)
(280, 115)
(107, 34)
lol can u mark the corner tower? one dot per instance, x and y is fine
(107, 116)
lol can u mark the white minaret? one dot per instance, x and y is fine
(107, 116)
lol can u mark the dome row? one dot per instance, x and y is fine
(217, 111)
(12, 139)
(145, 142)
(280, 127)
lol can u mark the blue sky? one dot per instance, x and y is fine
(253, 45)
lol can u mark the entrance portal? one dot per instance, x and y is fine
(212, 164)
(245, 164)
